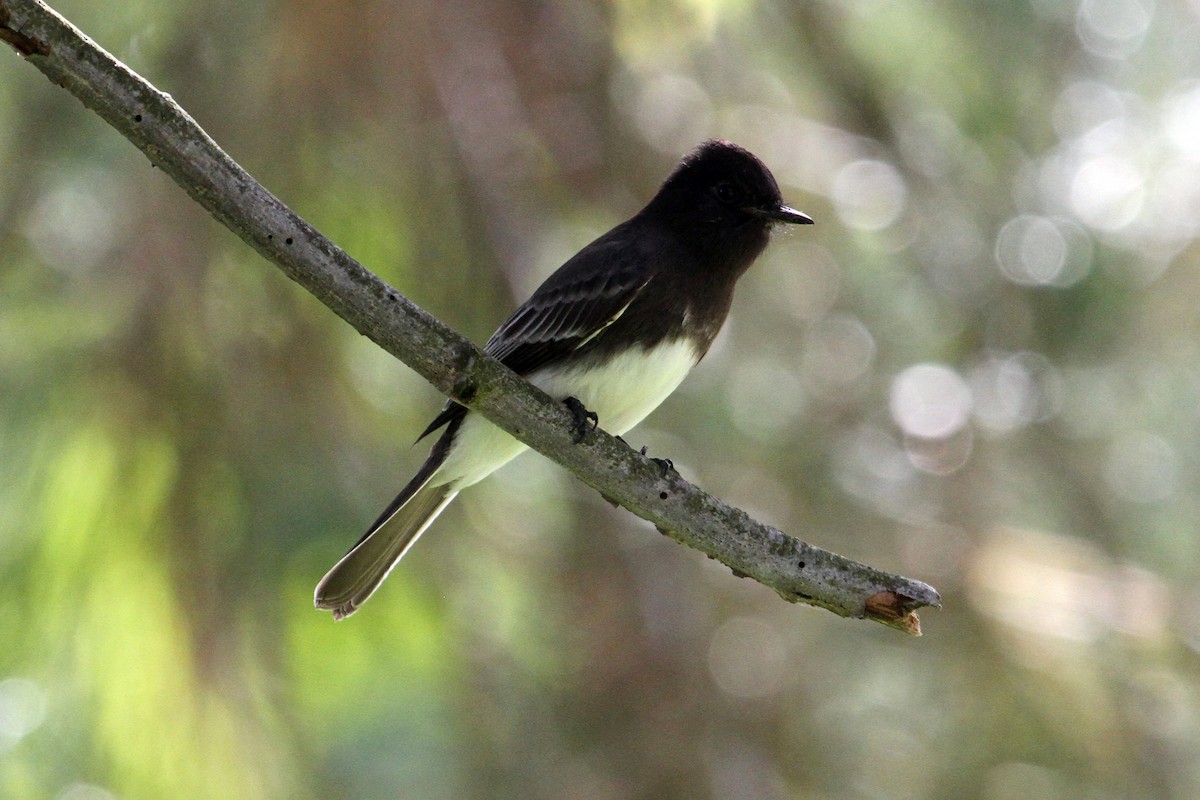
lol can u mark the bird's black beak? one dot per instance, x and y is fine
(782, 213)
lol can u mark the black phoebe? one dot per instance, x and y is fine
(614, 331)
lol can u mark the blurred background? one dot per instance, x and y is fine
(978, 369)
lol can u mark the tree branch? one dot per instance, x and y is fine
(173, 141)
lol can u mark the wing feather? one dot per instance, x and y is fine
(568, 311)
(574, 305)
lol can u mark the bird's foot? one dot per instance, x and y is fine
(665, 464)
(585, 421)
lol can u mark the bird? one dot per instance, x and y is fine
(612, 332)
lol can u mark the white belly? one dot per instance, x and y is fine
(622, 392)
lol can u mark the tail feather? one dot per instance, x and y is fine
(356, 577)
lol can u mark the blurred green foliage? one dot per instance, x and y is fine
(979, 368)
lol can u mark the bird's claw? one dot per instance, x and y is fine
(665, 464)
(585, 421)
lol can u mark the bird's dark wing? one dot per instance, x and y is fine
(571, 308)
(575, 304)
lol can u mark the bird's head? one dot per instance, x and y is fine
(720, 188)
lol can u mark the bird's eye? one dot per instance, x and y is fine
(727, 192)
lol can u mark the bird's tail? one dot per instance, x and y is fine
(353, 579)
